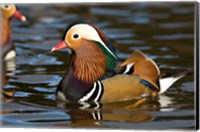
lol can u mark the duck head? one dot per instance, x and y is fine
(92, 53)
(10, 10)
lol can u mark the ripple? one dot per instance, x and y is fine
(181, 10)
(118, 33)
(8, 86)
(152, 56)
(67, 18)
(13, 106)
(51, 80)
(136, 20)
(47, 20)
(45, 90)
(122, 55)
(110, 12)
(38, 118)
(168, 56)
(129, 41)
(103, 24)
(173, 36)
(164, 48)
(51, 96)
(140, 48)
(28, 31)
(21, 94)
(158, 125)
(38, 59)
(163, 57)
(57, 26)
(160, 16)
(27, 38)
(45, 45)
(188, 87)
(175, 25)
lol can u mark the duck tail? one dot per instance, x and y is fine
(167, 81)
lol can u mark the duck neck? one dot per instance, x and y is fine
(72, 87)
(5, 38)
(5, 31)
(83, 71)
(88, 63)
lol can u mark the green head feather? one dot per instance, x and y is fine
(111, 61)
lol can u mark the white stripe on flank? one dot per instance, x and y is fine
(99, 92)
(87, 96)
(128, 67)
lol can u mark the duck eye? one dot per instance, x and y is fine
(75, 36)
(6, 6)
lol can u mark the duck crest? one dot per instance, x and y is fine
(69, 26)
(104, 39)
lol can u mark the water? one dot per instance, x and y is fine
(164, 32)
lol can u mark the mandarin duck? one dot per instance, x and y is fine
(7, 12)
(94, 74)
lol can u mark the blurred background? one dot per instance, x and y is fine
(163, 31)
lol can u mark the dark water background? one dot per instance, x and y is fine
(163, 31)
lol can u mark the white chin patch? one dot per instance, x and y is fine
(11, 54)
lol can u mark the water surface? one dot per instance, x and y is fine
(163, 31)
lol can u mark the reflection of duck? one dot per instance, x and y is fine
(81, 116)
(84, 118)
(93, 57)
(7, 12)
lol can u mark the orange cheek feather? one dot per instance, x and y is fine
(73, 43)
